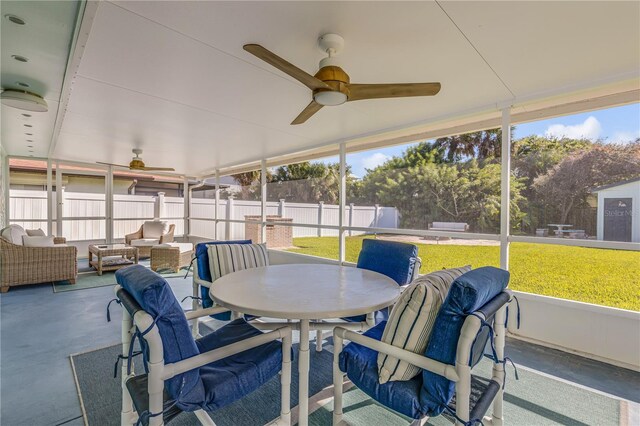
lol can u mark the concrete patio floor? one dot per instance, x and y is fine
(39, 329)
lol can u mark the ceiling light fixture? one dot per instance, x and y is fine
(29, 140)
(26, 115)
(29, 134)
(27, 125)
(15, 19)
(22, 84)
(24, 100)
(329, 97)
(20, 58)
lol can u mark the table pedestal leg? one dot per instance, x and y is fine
(303, 369)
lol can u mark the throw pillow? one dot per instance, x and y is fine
(13, 234)
(227, 258)
(35, 232)
(411, 321)
(37, 241)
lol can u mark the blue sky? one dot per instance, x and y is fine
(620, 124)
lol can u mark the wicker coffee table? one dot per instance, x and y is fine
(111, 257)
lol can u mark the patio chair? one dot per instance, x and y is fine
(184, 374)
(473, 312)
(394, 259)
(22, 265)
(202, 280)
(151, 233)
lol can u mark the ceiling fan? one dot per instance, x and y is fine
(137, 164)
(331, 85)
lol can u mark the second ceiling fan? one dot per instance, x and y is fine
(331, 85)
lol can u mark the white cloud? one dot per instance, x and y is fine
(374, 160)
(623, 137)
(589, 129)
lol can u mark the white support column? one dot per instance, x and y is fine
(351, 205)
(263, 200)
(341, 203)
(186, 197)
(109, 205)
(7, 196)
(505, 192)
(59, 200)
(228, 229)
(49, 197)
(376, 214)
(320, 215)
(216, 204)
(160, 207)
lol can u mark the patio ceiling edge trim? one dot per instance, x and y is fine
(611, 95)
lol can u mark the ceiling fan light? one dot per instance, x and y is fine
(23, 100)
(330, 98)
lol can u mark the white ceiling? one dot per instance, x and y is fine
(172, 77)
(45, 41)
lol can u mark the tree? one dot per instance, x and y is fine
(425, 190)
(481, 145)
(568, 184)
(305, 183)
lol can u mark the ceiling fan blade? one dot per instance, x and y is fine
(158, 169)
(306, 113)
(376, 91)
(272, 59)
(112, 164)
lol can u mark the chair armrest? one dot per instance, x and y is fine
(171, 370)
(133, 236)
(200, 282)
(168, 237)
(59, 240)
(205, 312)
(437, 367)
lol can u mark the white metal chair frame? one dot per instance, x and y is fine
(460, 373)
(159, 371)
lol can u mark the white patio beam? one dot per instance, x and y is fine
(505, 192)
(341, 202)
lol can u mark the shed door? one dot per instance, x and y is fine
(617, 219)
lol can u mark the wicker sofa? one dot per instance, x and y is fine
(21, 265)
(144, 243)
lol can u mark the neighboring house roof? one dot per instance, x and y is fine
(613, 185)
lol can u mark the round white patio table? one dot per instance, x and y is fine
(304, 292)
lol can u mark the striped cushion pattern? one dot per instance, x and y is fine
(411, 321)
(227, 258)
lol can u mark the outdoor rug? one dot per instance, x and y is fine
(535, 400)
(89, 278)
(100, 394)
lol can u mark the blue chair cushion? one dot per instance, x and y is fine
(467, 294)
(230, 379)
(154, 295)
(361, 365)
(391, 258)
(204, 273)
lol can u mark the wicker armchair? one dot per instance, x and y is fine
(20, 265)
(145, 251)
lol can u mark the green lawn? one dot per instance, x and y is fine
(603, 277)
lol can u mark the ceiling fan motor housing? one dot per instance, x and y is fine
(335, 77)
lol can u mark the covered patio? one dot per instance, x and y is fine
(172, 82)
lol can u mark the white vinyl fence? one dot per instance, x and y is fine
(84, 215)
(202, 211)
